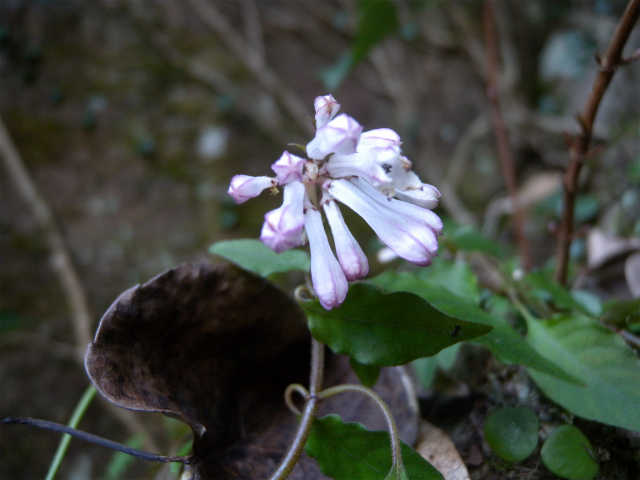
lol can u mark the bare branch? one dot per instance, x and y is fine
(60, 257)
(580, 145)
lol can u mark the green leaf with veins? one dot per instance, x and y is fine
(386, 329)
(503, 341)
(348, 451)
(601, 360)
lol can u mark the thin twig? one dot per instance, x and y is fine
(60, 257)
(579, 148)
(500, 131)
(89, 437)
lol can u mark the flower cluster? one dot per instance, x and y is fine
(362, 170)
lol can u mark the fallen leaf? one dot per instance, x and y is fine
(438, 449)
(215, 346)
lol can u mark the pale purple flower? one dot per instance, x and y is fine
(350, 255)
(282, 228)
(363, 171)
(340, 135)
(329, 280)
(326, 108)
(244, 187)
(288, 168)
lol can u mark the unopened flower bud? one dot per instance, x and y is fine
(326, 108)
(244, 187)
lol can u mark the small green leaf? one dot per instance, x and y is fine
(367, 374)
(512, 433)
(348, 451)
(597, 356)
(255, 256)
(568, 453)
(379, 329)
(503, 341)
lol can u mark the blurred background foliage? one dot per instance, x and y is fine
(132, 115)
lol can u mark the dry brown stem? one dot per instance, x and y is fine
(579, 147)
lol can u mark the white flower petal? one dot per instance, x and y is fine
(350, 255)
(380, 137)
(329, 281)
(282, 228)
(401, 208)
(244, 187)
(408, 236)
(362, 164)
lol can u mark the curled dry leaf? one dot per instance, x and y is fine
(215, 347)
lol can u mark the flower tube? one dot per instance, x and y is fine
(329, 281)
(408, 236)
(244, 187)
(350, 255)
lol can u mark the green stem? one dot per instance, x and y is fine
(308, 415)
(84, 402)
(391, 424)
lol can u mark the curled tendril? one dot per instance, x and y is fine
(294, 387)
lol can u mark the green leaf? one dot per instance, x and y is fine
(425, 368)
(600, 359)
(367, 374)
(567, 453)
(379, 329)
(255, 256)
(469, 240)
(456, 276)
(503, 341)
(348, 451)
(512, 433)
(377, 19)
(621, 313)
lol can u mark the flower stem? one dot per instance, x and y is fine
(308, 415)
(391, 424)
